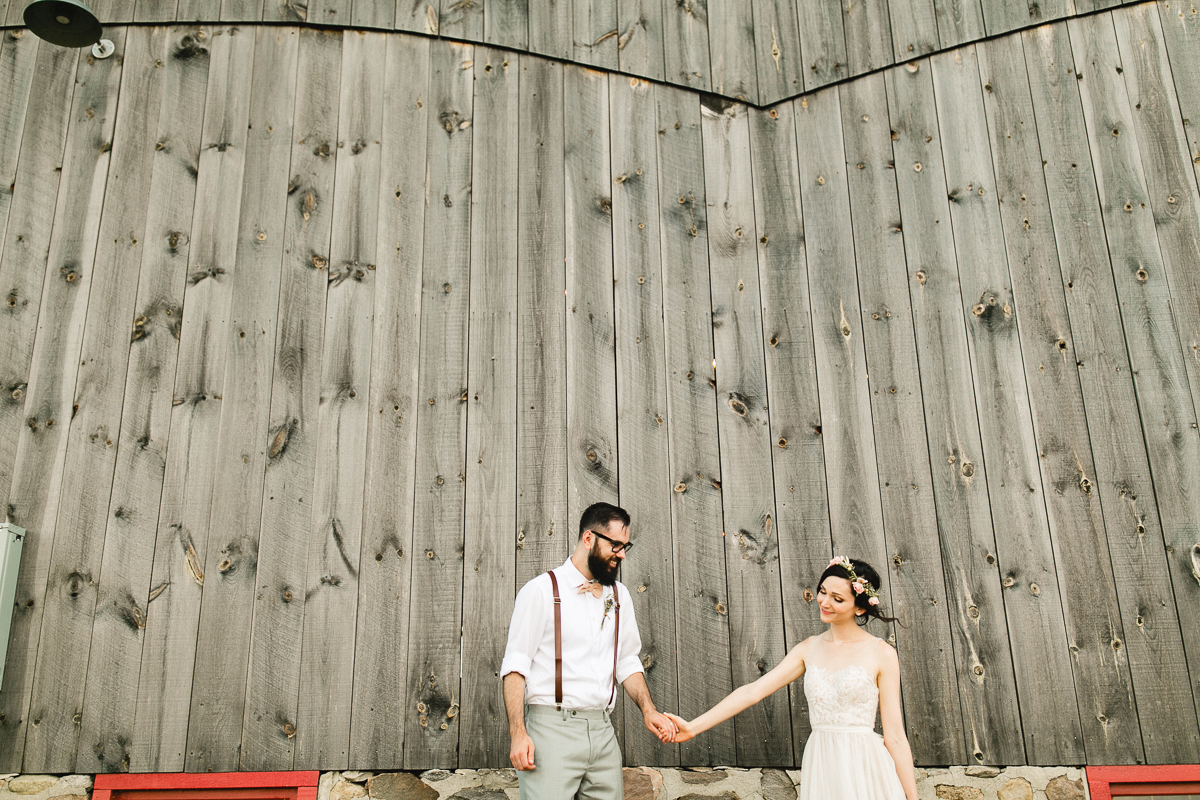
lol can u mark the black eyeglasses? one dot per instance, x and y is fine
(617, 547)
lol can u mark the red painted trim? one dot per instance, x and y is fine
(207, 780)
(1104, 783)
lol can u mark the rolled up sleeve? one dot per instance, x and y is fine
(525, 630)
(629, 659)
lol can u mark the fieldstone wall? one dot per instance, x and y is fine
(641, 783)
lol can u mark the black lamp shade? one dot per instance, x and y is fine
(68, 23)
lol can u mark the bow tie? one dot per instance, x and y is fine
(595, 587)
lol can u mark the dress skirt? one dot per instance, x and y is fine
(848, 762)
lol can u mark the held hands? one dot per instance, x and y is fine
(662, 727)
(683, 729)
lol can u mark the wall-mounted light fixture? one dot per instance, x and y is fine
(67, 23)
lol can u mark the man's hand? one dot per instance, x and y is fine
(660, 725)
(521, 753)
(683, 729)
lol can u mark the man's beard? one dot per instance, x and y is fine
(602, 570)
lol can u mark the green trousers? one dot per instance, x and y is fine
(575, 756)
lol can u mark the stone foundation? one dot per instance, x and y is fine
(641, 783)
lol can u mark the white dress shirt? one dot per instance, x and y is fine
(587, 641)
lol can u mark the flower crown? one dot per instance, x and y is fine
(859, 585)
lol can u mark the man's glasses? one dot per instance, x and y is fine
(617, 547)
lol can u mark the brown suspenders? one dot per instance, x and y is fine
(558, 690)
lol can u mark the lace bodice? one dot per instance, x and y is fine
(847, 696)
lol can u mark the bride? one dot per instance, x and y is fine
(846, 673)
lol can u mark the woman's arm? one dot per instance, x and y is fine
(741, 698)
(892, 716)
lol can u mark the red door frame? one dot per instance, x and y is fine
(1104, 783)
(208, 786)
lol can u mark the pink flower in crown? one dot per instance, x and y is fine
(873, 601)
(858, 587)
(835, 561)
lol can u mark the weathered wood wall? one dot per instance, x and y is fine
(757, 51)
(316, 343)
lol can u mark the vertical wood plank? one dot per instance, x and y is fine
(198, 10)
(506, 23)
(491, 513)
(983, 655)
(154, 11)
(217, 164)
(958, 21)
(143, 454)
(731, 44)
(25, 265)
(1077, 526)
(241, 10)
(1171, 186)
(435, 615)
(1041, 658)
(1000, 17)
(801, 499)
(381, 645)
(1149, 313)
(914, 28)
(590, 352)
(272, 672)
(640, 38)
(544, 532)
(777, 50)
(335, 532)
(551, 28)
(855, 509)
(459, 20)
(643, 461)
(38, 484)
(868, 28)
(822, 41)
(335, 528)
(595, 33)
(1060, 403)
(94, 419)
(685, 44)
(932, 710)
(228, 563)
(1180, 21)
(29, 178)
(17, 55)
(294, 11)
(752, 547)
(701, 603)
(1123, 470)
(118, 615)
(379, 14)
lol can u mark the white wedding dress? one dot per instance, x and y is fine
(844, 758)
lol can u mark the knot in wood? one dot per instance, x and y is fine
(287, 595)
(737, 405)
(979, 309)
(680, 488)
(591, 455)
(917, 167)
(973, 612)
(641, 278)
(968, 470)
(977, 669)
(920, 276)
(808, 595)
(289, 730)
(1142, 275)
(782, 442)
(990, 559)
(224, 565)
(820, 180)
(720, 608)
(452, 711)
(774, 342)
(1009, 581)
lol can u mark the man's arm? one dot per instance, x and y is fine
(639, 693)
(521, 751)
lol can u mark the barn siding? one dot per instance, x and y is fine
(317, 342)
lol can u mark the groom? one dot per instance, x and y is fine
(572, 639)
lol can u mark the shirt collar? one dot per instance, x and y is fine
(571, 576)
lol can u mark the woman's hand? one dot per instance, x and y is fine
(684, 729)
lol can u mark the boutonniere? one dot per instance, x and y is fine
(608, 604)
